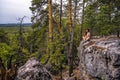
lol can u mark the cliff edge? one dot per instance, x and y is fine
(100, 59)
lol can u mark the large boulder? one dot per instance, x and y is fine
(100, 59)
(33, 70)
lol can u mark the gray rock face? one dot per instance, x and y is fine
(100, 59)
(33, 70)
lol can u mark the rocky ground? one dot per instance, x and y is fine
(33, 70)
(65, 76)
(99, 60)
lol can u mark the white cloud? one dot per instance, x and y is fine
(10, 10)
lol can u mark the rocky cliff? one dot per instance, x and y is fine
(33, 70)
(100, 59)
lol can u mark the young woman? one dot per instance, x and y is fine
(86, 37)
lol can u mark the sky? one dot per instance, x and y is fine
(11, 10)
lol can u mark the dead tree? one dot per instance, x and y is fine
(20, 34)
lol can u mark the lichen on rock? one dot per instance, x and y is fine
(33, 70)
(100, 59)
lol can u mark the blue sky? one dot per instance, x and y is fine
(11, 10)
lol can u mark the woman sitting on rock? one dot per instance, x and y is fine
(86, 37)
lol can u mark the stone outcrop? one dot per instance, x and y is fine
(33, 70)
(100, 59)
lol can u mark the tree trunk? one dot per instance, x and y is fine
(83, 6)
(118, 33)
(70, 61)
(2, 70)
(74, 24)
(60, 13)
(50, 21)
(70, 14)
(62, 34)
(59, 25)
(20, 35)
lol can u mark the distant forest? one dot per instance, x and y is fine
(15, 25)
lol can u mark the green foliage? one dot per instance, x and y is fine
(5, 52)
(100, 17)
(3, 37)
(38, 40)
(9, 45)
(56, 55)
(39, 9)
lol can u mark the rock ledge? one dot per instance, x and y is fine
(100, 59)
(33, 70)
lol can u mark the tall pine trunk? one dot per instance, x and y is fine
(60, 23)
(61, 33)
(70, 15)
(50, 34)
(71, 40)
(83, 6)
(60, 13)
(50, 21)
